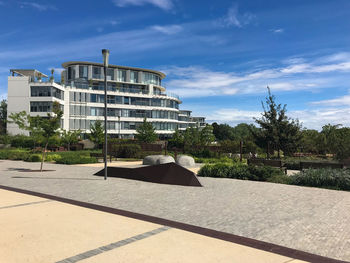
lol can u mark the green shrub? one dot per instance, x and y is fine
(73, 158)
(33, 158)
(324, 178)
(242, 171)
(126, 150)
(52, 157)
(5, 139)
(22, 141)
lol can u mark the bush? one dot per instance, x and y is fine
(5, 139)
(75, 158)
(22, 141)
(13, 154)
(33, 158)
(338, 179)
(243, 172)
(52, 157)
(126, 150)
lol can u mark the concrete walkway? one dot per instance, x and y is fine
(307, 219)
(35, 229)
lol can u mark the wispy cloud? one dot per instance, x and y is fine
(37, 6)
(169, 30)
(197, 81)
(277, 30)
(163, 4)
(235, 18)
(340, 101)
(310, 118)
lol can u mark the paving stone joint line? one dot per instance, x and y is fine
(25, 204)
(114, 245)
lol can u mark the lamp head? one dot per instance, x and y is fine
(105, 53)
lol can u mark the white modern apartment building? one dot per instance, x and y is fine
(133, 94)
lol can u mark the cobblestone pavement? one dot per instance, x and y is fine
(308, 219)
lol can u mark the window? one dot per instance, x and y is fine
(71, 73)
(83, 72)
(126, 100)
(96, 73)
(133, 76)
(149, 78)
(110, 74)
(40, 106)
(121, 75)
(93, 97)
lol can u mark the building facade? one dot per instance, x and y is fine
(132, 95)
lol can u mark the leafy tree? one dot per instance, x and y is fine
(177, 140)
(146, 132)
(281, 132)
(40, 127)
(336, 140)
(191, 139)
(206, 135)
(52, 78)
(222, 131)
(70, 137)
(97, 134)
(3, 116)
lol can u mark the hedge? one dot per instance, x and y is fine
(338, 179)
(243, 172)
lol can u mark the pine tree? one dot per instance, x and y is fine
(276, 129)
(146, 132)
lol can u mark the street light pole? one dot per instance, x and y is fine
(105, 53)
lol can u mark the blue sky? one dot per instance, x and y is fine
(219, 56)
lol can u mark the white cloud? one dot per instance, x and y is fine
(163, 4)
(340, 101)
(168, 30)
(57, 71)
(277, 30)
(234, 18)
(40, 7)
(311, 119)
(197, 81)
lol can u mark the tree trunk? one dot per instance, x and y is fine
(43, 157)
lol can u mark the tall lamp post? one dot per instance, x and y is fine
(105, 53)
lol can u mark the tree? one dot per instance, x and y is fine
(3, 116)
(52, 78)
(40, 127)
(277, 130)
(146, 132)
(70, 137)
(206, 135)
(177, 140)
(222, 131)
(97, 133)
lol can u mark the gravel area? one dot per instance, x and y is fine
(308, 219)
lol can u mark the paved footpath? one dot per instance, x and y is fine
(35, 229)
(307, 219)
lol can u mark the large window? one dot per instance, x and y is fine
(110, 74)
(71, 73)
(121, 75)
(133, 76)
(39, 91)
(83, 72)
(149, 78)
(96, 73)
(46, 91)
(40, 106)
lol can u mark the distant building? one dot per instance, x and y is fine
(133, 94)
